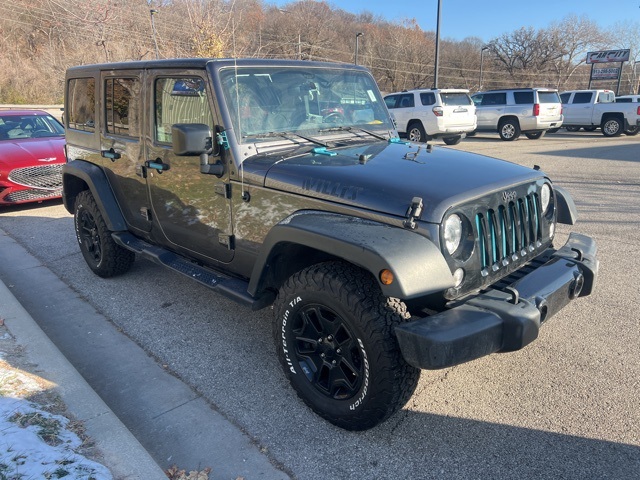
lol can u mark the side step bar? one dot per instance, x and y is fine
(230, 287)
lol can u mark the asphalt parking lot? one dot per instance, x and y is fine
(564, 407)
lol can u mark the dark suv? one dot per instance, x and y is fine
(284, 183)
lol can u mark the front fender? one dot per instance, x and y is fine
(417, 264)
(78, 175)
(567, 211)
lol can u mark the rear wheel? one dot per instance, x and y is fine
(452, 140)
(534, 135)
(612, 127)
(553, 130)
(509, 129)
(572, 129)
(590, 129)
(334, 334)
(104, 256)
(416, 132)
(631, 131)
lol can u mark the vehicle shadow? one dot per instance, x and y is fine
(626, 152)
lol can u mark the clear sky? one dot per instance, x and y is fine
(488, 19)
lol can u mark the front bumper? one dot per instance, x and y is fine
(502, 320)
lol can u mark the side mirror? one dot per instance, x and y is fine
(196, 139)
(192, 139)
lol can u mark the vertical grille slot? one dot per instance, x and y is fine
(507, 233)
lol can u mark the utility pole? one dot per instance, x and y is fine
(435, 72)
(358, 35)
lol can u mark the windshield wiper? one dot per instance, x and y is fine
(289, 136)
(354, 129)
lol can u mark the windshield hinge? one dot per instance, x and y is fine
(414, 212)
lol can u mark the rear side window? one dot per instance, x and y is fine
(122, 105)
(428, 98)
(180, 100)
(523, 98)
(582, 97)
(494, 99)
(624, 100)
(548, 97)
(606, 97)
(406, 101)
(455, 99)
(80, 111)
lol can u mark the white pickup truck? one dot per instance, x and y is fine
(592, 109)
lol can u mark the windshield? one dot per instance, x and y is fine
(29, 126)
(267, 101)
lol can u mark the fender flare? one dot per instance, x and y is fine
(567, 212)
(79, 175)
(418, 265)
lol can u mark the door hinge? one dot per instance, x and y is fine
(413, 213)
(223, 189)
(227, 240)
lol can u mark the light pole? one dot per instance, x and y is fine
(358, 35)
(153, 11)
(437, 60)
(486, 47)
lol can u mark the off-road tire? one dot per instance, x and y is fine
(509, 129)
(104, 257)
(335, 338)
(416, 132)
(612, 127)
(453, 140)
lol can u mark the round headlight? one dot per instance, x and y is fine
(452, 233)
(545, 197)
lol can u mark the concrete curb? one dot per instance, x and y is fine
(122, 453)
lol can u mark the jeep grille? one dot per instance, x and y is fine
(508, 233)
(46, 177)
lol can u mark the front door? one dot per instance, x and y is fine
(191, 209)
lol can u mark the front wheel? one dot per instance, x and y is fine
(553, 130)
(612, 127)
(416, 132)
(334, 334)
(631, 131)
(104, 256)
(509, 130)
(534, 135)
(571, 128)
(452, 140)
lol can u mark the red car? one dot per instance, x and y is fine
(31, 156)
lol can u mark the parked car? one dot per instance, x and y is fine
(423, 114)
(380, 257)
(510, 112)
(31, 156)
(592, 109)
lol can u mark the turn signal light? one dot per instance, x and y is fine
(386, 277)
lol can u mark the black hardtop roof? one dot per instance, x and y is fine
(201, 63)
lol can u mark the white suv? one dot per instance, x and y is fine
(423, 114)
(509, 112)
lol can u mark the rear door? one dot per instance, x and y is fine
(120, 143)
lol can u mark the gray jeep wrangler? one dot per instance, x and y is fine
(284, 184)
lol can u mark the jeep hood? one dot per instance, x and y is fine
(385, 177)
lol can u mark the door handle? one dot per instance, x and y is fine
(157, 165)
(111, 154)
